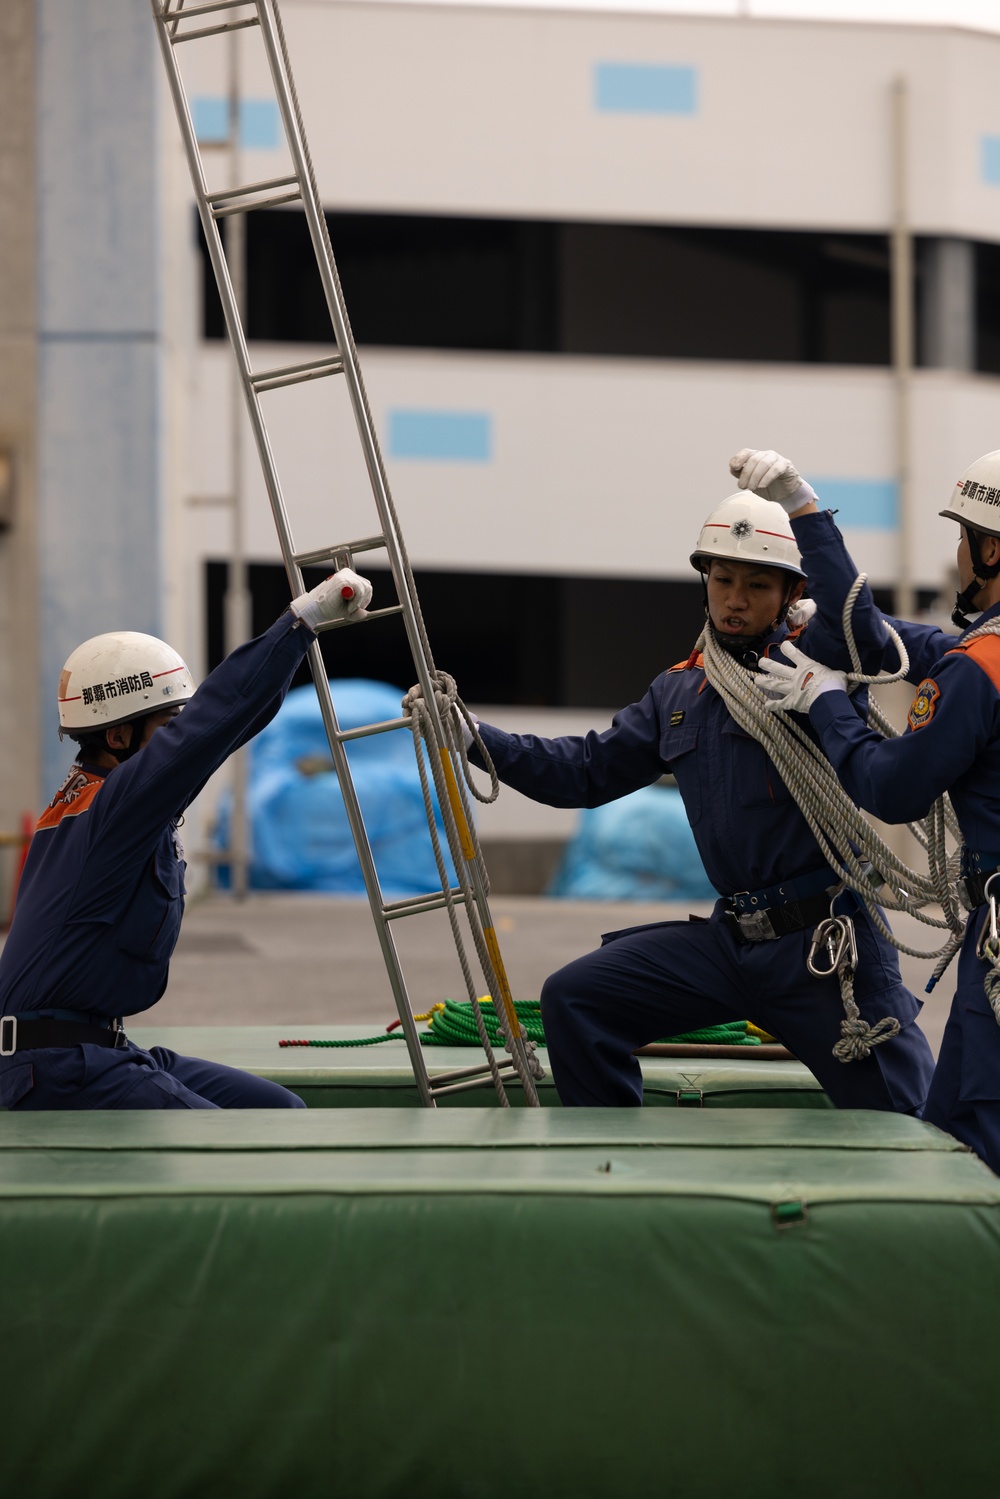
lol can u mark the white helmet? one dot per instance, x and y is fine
(113, 678)
(975, 500)
(747, 528)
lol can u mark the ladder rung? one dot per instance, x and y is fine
(416, 905)
(272, 202)
(330, 554)
(292, 374)
(205, 8)
(340, 624)
(474, 1082)
(192, 36)
(374, 728)
(481, 1069)
(227, 193)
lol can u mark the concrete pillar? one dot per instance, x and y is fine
(949, 305)
(20, 784)
(100, 335)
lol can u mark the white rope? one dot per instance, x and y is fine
(453, 713)
(861, 860)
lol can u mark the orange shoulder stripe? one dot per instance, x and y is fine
(75, 797)
(696, 659)
(985, 652)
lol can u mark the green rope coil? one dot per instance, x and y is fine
(455, 1026)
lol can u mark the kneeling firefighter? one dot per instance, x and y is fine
(748, 960)
(102, 893)
(951, 744)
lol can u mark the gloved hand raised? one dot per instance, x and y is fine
(771, 476)
(794, 689)
(344, 595)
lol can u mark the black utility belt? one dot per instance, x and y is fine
(772, 922)
(19, 1034)
(974, 886)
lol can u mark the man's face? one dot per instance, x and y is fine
(744, 598)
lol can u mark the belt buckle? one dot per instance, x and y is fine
(8, 1047)
(756, 926)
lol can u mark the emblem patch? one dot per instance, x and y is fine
(741, 529)
(923, 705)
(676, 718)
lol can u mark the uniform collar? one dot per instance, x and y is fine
(93, 770)
(991, 613)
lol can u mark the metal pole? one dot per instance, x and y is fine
(902, 344)
(238, 627)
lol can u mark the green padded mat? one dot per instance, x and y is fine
(380, 1076)
(483, 1303)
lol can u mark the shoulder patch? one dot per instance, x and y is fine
(73, 797)
(923, 705)
(985, 652)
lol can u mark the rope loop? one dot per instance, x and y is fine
(858, 1038)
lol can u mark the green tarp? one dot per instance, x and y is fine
(380, 1076)
(483, 1303)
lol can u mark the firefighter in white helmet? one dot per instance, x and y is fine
(951, 743)
(101, 897)
(749, 960)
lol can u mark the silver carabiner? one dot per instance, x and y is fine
(990, 924)
(836, 934)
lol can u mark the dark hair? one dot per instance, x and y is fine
(92, 742)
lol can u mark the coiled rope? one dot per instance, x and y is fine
(861, 860)
(453, 1023)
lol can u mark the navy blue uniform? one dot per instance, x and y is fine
(102, 895)
(665, 979)
(951, 743)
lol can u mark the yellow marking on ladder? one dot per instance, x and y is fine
(501, 973)
(464, 836)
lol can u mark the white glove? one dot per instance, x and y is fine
(794, 689)
(800, 613)
(772, 477)
(467, 734)
(343, 595)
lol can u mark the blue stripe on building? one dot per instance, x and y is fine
(989, 159)
(645, 88)
(443, 436)
(260, 124)
(861, 504)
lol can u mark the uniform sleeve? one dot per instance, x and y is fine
(584, 771)
(897, 780)
(233, 703)
(925, 645)
(831, 572)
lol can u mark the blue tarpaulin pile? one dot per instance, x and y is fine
(300, 836)
(637, 848)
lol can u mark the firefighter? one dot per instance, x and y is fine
(951, 743)
(102, 893)
(748, 961)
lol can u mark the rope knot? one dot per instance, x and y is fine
(858, 1038)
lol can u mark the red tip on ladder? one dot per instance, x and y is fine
(347, 592)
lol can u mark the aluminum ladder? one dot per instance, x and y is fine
(437, 743)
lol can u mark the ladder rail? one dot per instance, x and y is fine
(338, 752)
(212, 207)
(273, 39)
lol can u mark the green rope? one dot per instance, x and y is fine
(455, 1026)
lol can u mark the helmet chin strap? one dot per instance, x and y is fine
(134, 745)
(981, 575)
